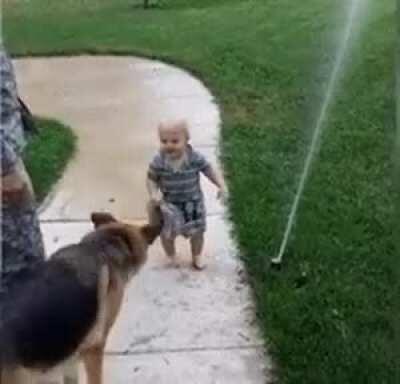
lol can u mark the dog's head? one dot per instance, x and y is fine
(148, 232)
(134, 239)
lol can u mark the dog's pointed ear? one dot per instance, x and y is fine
(101, 218)
(150, 232)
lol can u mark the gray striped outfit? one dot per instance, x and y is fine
(183, 206)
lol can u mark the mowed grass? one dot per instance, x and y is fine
(328, 314)
(47, 154)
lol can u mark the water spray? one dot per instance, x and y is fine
(354, 12)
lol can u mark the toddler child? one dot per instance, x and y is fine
(173, 182)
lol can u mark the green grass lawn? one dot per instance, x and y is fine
(47, 154)
(327, 314)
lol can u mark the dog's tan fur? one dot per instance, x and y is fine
(130, 243)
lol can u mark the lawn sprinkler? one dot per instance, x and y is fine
(354, 12)
(277, 261)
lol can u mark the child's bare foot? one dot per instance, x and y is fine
(198, 262)
(173, 261)
(197, 242)
(169, 249)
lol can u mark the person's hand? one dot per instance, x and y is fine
(14, 189)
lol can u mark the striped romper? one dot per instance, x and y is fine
(183, 206)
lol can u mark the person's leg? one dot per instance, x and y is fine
(168, 245)
(22, 243)
(22, 252)
(197, 244)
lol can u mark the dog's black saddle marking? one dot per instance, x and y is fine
(46, 319)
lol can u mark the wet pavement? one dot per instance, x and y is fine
(176, 325)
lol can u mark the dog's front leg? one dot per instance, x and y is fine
(93, 361)
(92, 349)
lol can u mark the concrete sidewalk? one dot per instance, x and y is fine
(177, 325)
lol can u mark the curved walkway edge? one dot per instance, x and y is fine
(176, 326)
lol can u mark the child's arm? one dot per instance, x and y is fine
(208, 171)
(153, 190)
(153, 179)
(215, 178)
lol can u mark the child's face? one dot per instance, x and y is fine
(173, 141)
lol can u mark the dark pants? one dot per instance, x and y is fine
(22, 245)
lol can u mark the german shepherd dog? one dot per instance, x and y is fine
(69, 306)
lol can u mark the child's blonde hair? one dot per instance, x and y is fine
(171, 125)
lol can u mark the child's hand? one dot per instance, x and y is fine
(156, 197)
